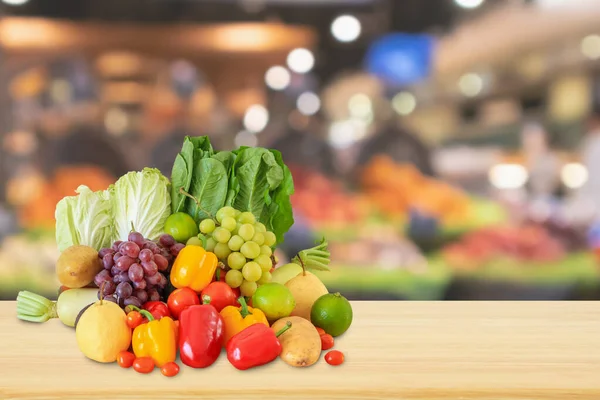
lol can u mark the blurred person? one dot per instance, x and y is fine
(84, 145)
(165, 150)
(401, 145)
(542, 164)
(590, 158)
(304, 149)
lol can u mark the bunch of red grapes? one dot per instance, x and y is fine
(135, 271)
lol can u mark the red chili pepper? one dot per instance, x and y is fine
(254, 346)
(158, 309)
(201, 335)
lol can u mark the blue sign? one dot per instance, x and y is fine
(400, 59)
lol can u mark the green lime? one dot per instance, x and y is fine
(333, 313)
(274, 299)
(181, 226)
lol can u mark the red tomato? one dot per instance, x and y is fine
(220, 295)
(321, 331)
(326, 342)
(143, 365)
(181, 299)
(170, 369)
(125, 359)
(134, 319)
(334, 357)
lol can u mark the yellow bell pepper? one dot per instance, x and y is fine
(236, 319)
(156, 339)
(193, 268)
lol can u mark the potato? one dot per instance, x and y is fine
(306, 289)
(301, 344)
(77, 266)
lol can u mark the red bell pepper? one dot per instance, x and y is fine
(254, 346)
(201, 335)
(158, 309)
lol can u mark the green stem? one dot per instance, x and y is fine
(218, 274)
(32, 307)
(206, 299)
(145, 313)
(287, 326)
(244, 312)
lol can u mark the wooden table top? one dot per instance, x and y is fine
(401, 350)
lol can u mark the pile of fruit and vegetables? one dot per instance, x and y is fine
(152, 268)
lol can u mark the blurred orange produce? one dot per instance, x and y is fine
(38, 212)
(397, 188)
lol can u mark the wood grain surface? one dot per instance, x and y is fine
(399, 350)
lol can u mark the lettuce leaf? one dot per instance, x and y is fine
(141, 201)
(281, 217)
(85, 219)
(209, 187)
(181, 175)
(253, 186)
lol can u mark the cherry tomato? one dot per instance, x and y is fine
(181, 299)
(170, 369)
(134, 319)
(143, 365)
(326, 342)
(220, 295)
(125, 359)
(321, 331)
(334, 357)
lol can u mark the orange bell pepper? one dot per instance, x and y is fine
(156, 339)
(237, 319)
(194, 268)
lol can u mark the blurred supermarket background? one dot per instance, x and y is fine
(449, 149)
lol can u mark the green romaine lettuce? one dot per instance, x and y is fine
(251, 179)
(85, 219)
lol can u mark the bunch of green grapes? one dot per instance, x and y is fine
(243, 244)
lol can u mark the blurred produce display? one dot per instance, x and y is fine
(27, 262)
(467, 162)
(529, 253)
(519, 244)
(398, 188)
(324, 201)
(38, 209)
(380, 247)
